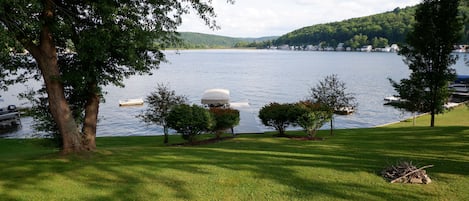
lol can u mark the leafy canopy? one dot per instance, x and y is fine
(80, 46)
(428, 55)
(331, 93)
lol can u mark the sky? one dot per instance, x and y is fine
(258, 18)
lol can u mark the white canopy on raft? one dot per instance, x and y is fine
(216, 97)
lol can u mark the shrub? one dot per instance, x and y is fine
(279, 116)
(312, 116)
(224, 118)
(160, 102)
(331, 92)
(189, 121)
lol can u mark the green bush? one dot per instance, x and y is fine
(224, 118)
(312, 116)
(279, 116)
(189, 121)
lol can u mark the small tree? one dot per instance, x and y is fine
(312, 116)
(279, 116)
(160, 102)
(224, 118)
(189, 120)
(330, 93)
(428, 54)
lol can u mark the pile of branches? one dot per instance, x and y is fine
(406, 172)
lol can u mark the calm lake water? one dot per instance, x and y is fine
(256, 77)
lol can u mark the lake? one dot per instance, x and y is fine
(254, 78)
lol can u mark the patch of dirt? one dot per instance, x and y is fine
(203, 142)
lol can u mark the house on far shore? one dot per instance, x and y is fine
(394, 48)
(340, 47)
(283, 47)
(366, 48)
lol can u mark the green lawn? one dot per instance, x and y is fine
(249, 167)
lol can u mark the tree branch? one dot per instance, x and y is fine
(424, 167)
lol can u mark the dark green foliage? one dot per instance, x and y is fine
(410, 94)
(429, 57)
(331, 93)
(312, 116)
(224, 118)
(160, 102)
(198, 40)
(279, 116)
(189, 121)
(43, 120)
(392, 26)
(110, 41)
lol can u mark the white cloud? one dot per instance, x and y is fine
(255, 18)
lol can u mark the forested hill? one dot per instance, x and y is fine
(391, 26)
(199, 40)
(377, 30)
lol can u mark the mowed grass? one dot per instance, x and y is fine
(249, 167)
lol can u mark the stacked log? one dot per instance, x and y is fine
(406, 172)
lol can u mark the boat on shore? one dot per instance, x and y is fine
(345, 111)
(9, 117)
(131, 102)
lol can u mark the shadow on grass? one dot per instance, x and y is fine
(130, 170)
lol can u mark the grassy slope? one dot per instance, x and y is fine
(249, 167)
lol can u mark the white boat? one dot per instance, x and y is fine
(131, 102)
(216, 98)
(392, 99)
(344, 111)
(450, 105)
(9, 117)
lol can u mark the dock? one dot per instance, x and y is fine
(9, 117)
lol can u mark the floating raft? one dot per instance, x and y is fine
(131, 102)
(216, 97)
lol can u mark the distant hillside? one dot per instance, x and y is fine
(377, 30)
(199, 40)
(390, 26)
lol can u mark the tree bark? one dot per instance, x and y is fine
(46, 57)
(332, 127)
(91, 118)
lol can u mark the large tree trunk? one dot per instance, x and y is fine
(91, 118)
(46, 58)
(58, 105)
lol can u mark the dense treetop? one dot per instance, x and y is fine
(392, 26)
